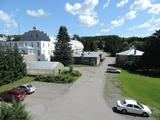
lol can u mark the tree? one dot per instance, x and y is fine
(12, 66)
(14, 111)
(63, 51)
(151, 56)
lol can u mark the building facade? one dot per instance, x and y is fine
(38, 43)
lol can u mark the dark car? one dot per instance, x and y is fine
(15, 93)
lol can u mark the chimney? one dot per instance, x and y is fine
(134, 50)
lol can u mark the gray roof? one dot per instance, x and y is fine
(35, 35)
(45, 65)
(131, 52)
(87, 54)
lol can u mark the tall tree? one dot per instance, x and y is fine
(151, 55)
(63, 51)
(12, 66)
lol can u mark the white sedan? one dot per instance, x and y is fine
(131, 106)
(113, 70)
(28, 88)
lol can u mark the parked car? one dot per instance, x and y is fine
(16, 93)
(113, 70)
(132, 106)
(28, 88)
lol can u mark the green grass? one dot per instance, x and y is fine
(144, 89)
(14, 84)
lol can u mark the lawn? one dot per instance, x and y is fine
(14, 84)
(142, 88)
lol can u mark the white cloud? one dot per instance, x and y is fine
(155, 9)
(8, 20)
(118, 22)
(102, 24)
(88, 20)
(36, 13)
(85, 11)
(105, 30)
(141, 5)
(150, 25)
(106, 4)
(131, 15)
(122, 3)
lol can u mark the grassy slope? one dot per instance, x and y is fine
(14, 84)
(145, 89)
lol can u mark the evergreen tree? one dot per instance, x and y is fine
(63, 51)
(12, 66)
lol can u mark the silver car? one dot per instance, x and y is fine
(28, 88)
(113, 70)
(132, 106)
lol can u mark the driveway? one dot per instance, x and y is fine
(83, 100)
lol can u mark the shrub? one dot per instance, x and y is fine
(130, 65)
(76, 73)
(15, 111)
(65, 77)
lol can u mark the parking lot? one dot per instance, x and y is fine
(82, 100)
(44, 99)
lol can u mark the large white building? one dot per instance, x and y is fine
(39, 43)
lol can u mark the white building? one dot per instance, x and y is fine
(39, 43)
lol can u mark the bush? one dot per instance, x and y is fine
(65, 77)
(130, 65)
(15, 111)
(76, 73)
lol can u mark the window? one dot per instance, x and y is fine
(38, 52)
(37, 44)
(137, 107)
(43, 44)
(129, 105)
(10, 44)
(15, 44)
(31, 36)
(25, 43)
(37, 35)
(32, 44)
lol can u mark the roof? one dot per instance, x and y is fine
(45, 65)
(131, 102)
(35, 35)
(87, 54)
(131, 52)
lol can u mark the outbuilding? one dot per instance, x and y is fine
(44, 68)
(129, 55)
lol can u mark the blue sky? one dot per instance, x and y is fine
(83, 17)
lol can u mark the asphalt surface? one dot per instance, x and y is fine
(83, 100)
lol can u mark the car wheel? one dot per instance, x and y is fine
(144, 114)
(124, 111)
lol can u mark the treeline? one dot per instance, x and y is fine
(12, 66)
(11, 37)
(111, 43)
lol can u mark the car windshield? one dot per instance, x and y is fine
(139, 105)
(123, 102)
(29, 86)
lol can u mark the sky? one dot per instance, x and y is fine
(125, 18)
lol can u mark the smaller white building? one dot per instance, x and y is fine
(44, 68)
(129, 55)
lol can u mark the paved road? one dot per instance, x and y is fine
(83, 101)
